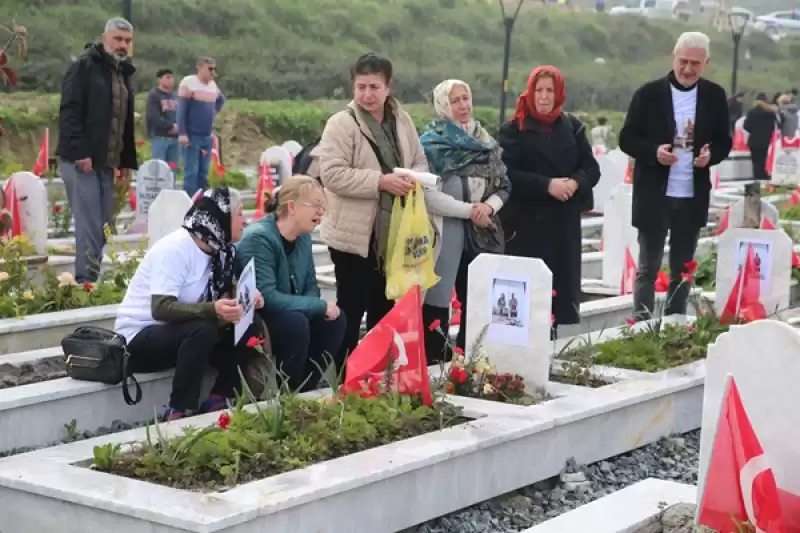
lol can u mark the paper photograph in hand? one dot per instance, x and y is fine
(245, 296)
(509, 302)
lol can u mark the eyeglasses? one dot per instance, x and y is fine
(317, 207)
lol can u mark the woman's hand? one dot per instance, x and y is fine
(258, 302)
(332, 312)
(562, 188)
(481, 215)
(396, 184)
(228, 310)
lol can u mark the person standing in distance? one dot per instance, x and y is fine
(676, 129)
(162, 122)
(199, 101)
(96, 137)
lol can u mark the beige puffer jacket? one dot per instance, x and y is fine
(350, 172)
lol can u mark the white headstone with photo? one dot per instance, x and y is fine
(618, 235)
(612, 174)
(512, 297)
(280, 157)
(152, 177)
(33, 208)
(166, 214)
(762, 358)
(773, 250)
(293, 147)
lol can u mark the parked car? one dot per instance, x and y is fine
(659, 9)
(779, 23)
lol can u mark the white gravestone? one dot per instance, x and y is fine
(33, 208)
(736, 218)
(152, 177)
(513, 297)
(774, 256)
(612, 174)
(293, 147)
(166, 214)
(618, 234)
(280, 157)
(763, 359)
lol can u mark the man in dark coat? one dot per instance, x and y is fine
(96, 138)
(676, 129)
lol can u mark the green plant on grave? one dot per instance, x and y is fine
(705, 273)
(473, 376)
(285, 433)
(60, 217)
(230, 178)
(789, 212)
(20, 295)
(657, 344)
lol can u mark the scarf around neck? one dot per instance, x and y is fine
(526, 104)
(449, 147)
(209, 220)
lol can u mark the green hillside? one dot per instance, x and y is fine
(300, 49)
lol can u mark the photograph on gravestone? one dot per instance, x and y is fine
(509, 302)
(762, 250)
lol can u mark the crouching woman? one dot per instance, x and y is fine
(178, 311)
(306, 332)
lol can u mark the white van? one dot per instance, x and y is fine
(658, 9)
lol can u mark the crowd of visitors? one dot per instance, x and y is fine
(521, 194)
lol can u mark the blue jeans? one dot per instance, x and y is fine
(166, 149)
(299, 341)
(196, 158)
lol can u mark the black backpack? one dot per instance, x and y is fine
(303, 160)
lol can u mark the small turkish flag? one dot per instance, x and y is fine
(397, 339)
(744, 300)
(629, 272)
(40, 167)
(740, 486)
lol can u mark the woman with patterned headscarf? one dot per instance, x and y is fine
(179, 308)
(474, 181)
(552, 170)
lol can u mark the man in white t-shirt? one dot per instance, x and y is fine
(676, 129)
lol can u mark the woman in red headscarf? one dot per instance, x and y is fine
(552, 171)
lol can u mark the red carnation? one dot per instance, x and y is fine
(224, 420)
(459, 375)
(436, 324)
(254, 341)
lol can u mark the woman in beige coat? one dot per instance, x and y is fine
(359, 149)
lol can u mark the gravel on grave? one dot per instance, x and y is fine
(26, 373)
(674, 459)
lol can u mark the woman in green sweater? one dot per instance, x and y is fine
(304, 329)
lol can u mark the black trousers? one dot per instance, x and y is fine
(683, 235)
(190, 347)
(360, 289)
(436, 348)
(304, 345)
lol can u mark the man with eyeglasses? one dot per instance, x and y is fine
(199, 101)
(96, 138)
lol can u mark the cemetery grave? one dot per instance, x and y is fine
(525, 431)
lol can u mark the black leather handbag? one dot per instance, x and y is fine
(97, 354)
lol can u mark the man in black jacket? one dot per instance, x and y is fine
(96, 138)
(676, 129)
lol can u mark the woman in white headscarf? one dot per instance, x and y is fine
(469, 162)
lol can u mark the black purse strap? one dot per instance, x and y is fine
(128, 377)
(386, 169)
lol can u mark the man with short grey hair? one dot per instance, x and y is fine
(675, 130)
(96, 138)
